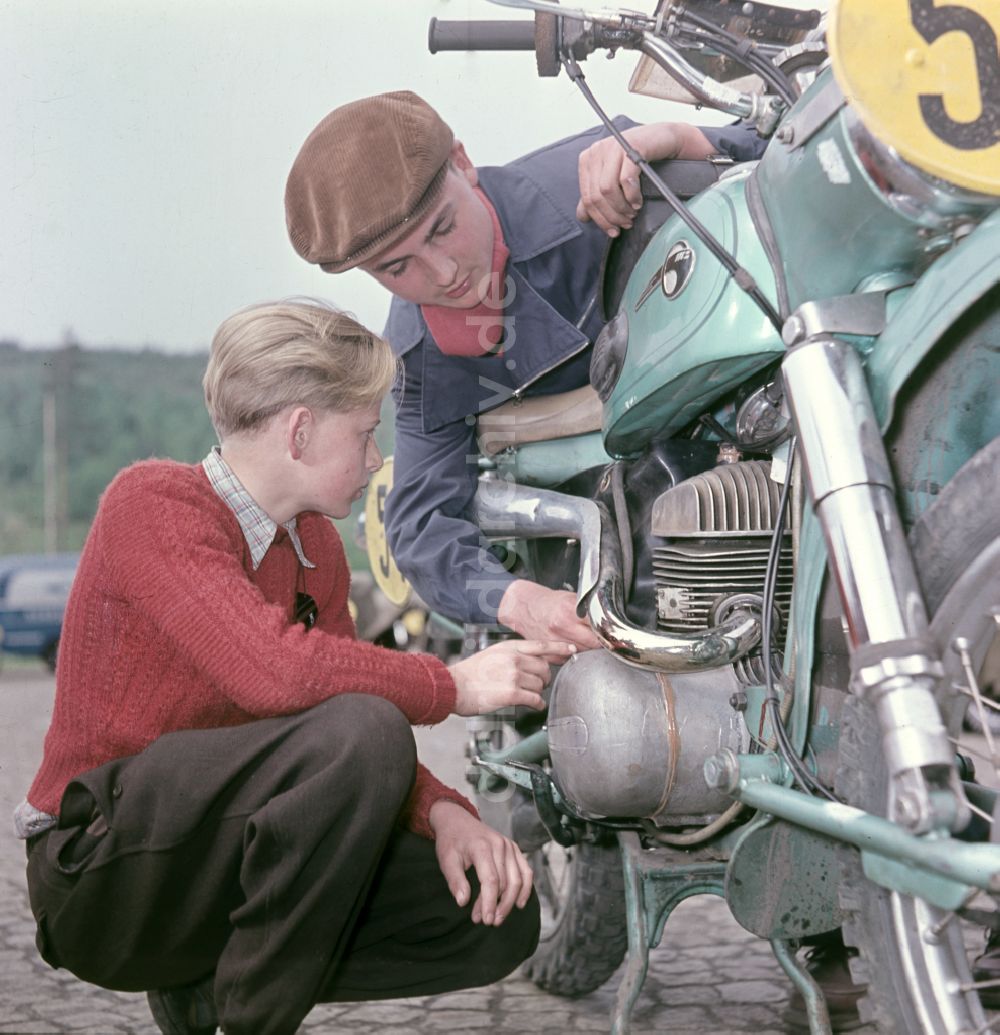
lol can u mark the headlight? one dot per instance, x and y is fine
(609, 355)
(916, 194)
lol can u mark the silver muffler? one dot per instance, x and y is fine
(630, 742)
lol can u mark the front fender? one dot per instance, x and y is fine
(934, 371)
(949, 288)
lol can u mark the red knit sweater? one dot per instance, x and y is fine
(168, 627)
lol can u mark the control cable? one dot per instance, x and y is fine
(742, 276)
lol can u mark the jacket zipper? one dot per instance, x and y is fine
(519, 392)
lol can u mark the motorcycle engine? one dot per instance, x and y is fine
(712, 535)
(631, 742)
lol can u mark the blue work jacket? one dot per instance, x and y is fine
(550, 322)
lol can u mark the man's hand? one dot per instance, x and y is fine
(461, 841)
(508, 673)
(609, 182)
(533, 610)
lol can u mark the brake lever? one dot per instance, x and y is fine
(647, 40)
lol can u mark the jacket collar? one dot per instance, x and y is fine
(539, 224)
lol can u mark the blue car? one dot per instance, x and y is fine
(33, 592)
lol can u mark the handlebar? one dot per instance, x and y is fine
(480, 35)
(540, 35)
(558, 31)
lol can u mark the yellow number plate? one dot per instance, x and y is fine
(924, 76)
(384, 570)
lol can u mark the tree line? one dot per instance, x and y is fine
(72, 417)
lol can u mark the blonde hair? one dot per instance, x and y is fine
(294, 353)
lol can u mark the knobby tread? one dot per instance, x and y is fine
(589, 942)
(857, 783)
(963, 520)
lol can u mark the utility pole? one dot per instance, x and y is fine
(51, 479)
(56, 401)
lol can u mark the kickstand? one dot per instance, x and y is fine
(819, 1016)
(654, 887)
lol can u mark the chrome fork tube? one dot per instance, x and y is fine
(893, 660)
(852, 489)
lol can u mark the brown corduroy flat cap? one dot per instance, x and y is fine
(366, 175)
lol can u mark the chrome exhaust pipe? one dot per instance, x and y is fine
(504, 509)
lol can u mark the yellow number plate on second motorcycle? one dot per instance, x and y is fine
(387, 576)
(924, 75)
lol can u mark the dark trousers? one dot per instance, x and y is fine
(269, 854)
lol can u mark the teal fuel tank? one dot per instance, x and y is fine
(692, 333)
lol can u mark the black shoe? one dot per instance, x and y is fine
(827, 964)
(986, 967)
(189, 1010)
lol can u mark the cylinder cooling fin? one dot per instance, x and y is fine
(712, 536)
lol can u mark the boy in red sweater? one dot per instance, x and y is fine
(229, 813)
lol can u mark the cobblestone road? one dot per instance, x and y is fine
(709, 977)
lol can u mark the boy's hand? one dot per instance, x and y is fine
(509, 673)
(462, 841)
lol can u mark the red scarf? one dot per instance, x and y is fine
(476, 331)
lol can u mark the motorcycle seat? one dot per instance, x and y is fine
(538, 418)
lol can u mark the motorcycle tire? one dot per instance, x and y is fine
(581, 891)
(914, 981)
(584, 933)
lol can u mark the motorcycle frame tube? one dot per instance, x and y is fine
(749, 779)
(852, 491)
(503, 509)
(534, 748)
(554, 460)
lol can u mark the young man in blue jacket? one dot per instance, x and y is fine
(496, 276)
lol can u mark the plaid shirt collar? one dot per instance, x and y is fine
(258, 529)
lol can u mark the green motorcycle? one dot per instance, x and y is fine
(780, 508)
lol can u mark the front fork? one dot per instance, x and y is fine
(894, 663)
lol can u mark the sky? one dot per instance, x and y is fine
(146, 147)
